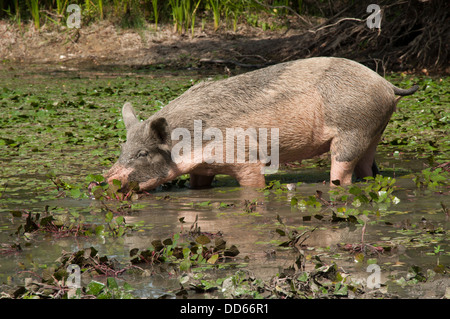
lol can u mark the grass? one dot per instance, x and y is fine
(419, 120)
(34, 10)
(215, 6)
(182, 13)
(155, 12)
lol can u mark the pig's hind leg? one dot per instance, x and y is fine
(250, 175)
(366, 166)
(352, 155)
(348, 150)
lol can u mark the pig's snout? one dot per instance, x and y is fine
(120, 173)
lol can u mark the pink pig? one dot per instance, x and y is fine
(308, 106)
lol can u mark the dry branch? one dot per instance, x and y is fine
(414, 34)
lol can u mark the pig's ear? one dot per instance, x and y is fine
(129, 115)
(159, 130)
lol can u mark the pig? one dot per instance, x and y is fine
(316, 105)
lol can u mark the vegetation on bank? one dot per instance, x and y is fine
(411, 35)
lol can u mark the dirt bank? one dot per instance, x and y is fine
(104, 44)
(249, 47)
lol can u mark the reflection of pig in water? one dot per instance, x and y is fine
(317, 105)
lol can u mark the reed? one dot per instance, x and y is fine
(186, 8)
(100, 8)
(34, 10)
(132, 15)
(17, 8)
(215, 6)
(183, 13)
(119, 7)
(60, 6)
(155, 12)
(235, 9)
(193, 18)
(177, 14)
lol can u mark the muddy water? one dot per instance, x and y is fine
(254, 233)
(255, 236)
(409, 230)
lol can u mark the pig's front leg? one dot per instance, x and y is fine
(349, 155)
(249, 175)
(341, 172)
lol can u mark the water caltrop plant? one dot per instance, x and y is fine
(57, 136)
(432, 178)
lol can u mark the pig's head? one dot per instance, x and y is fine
(145, 158)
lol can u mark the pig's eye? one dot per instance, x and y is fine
(142, 154)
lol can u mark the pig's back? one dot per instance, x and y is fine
(304, 89)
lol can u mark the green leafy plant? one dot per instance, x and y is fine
(432, 178)
(110, 290)
(216, 8)
(34, 9)
(438, 251)
(116, 225)
(292, 235)
(201, 251)
(101, 190)
(155, 12)
(376, 191)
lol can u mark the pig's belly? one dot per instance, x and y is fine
(297, 144)
(291, 154)
(298, 149)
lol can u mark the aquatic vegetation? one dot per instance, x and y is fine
(101, 190)
(193, 251)
(420, 124)
(58, 136)
(197, 249)
(348, 204)
(432, 178)
(376, 191)
(325, 281)
(292, 235)
(61, 223)
(55, 281)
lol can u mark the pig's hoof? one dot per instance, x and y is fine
(336, 182)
